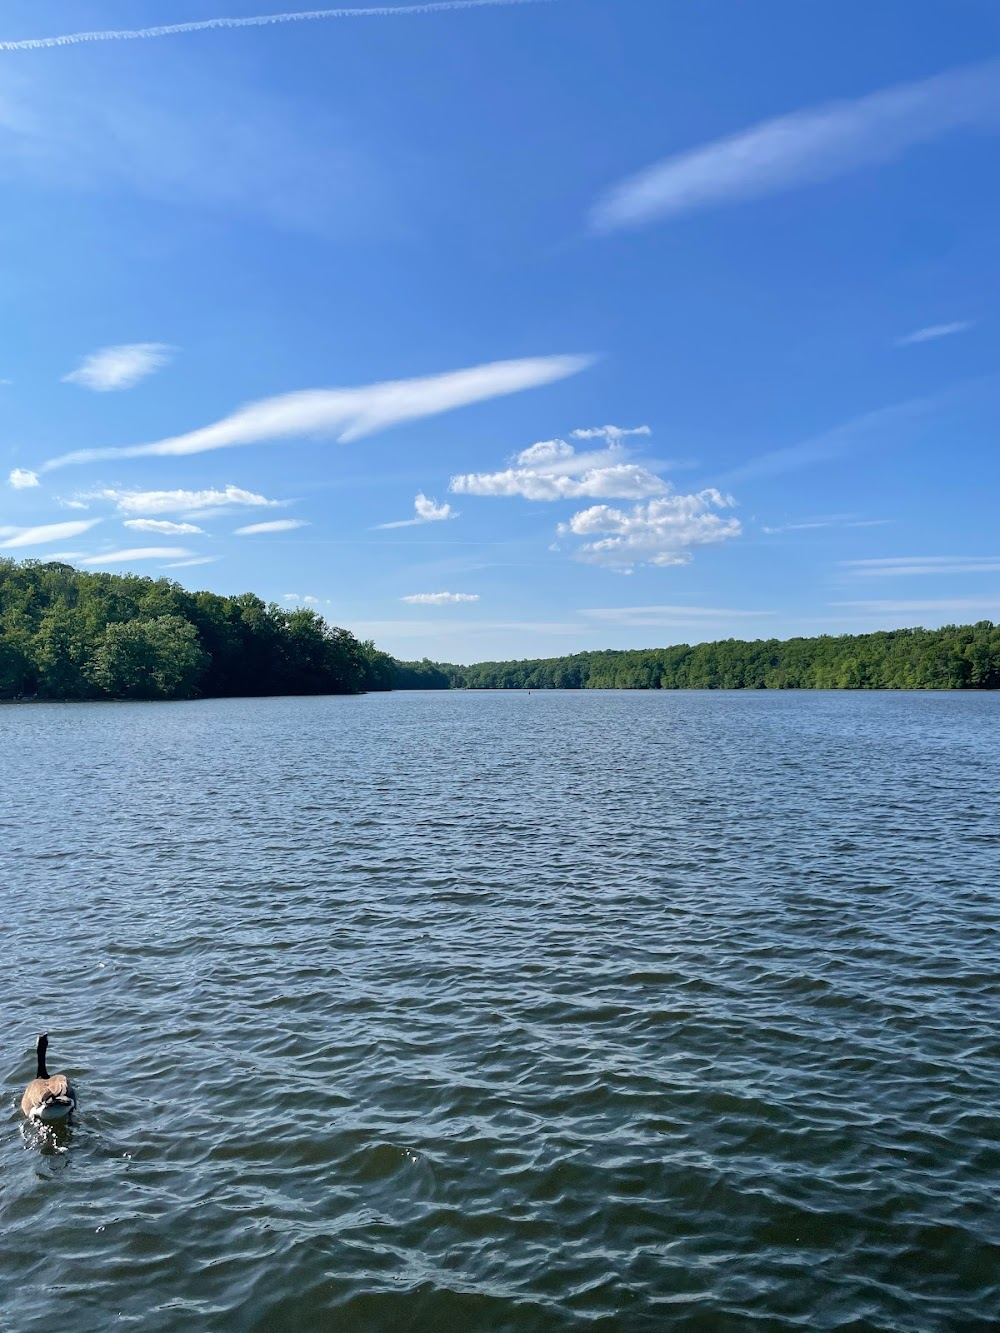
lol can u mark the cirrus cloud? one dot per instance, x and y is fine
(163, 526)
(123, 367)
(137, 553)
(276, 525)
(46, 532)
(176, 502)
(350, 414)
(805, 147)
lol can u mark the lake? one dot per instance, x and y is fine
(527, 1012)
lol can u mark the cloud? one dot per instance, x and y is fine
(440, 598)
(907, 566)
(954, 606)
(428, 511)
(21, 479)
(48, 532)
(610, 433)
(805, 147)
(196, 560)
(276, 525)
(123, 367)
(827, 521)
(661, 533)
(934, 331)
(297, 597)
(162, 526)
(638, 616)
(177, 502)
(553, 470)
(350, 414)
(254, 21)
(870, 429)
(138, 553)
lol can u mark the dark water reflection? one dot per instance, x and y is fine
(505, 1012)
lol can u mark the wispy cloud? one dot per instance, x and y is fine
(805, 147)
(275, 525)
(114, 368)
(638, 616)
(195, 560)
(350, 414)
(826, 521)
(138, 553)
(254, 21)
(176, 502)
(868, 429)
(427, 511)
(953, 606)
(440, 598)
(661, 533)
(21, 479)
(908, 566)
(163, 526)
(553, 470)
(303, 601)
(934, 331)
(47, 532)
(610, 433)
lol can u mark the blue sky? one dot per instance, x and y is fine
(510, 329)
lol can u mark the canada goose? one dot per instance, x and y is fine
(47, 1098)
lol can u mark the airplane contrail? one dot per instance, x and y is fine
(256, 21)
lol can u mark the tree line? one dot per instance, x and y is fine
(957, 657)
(65, 634)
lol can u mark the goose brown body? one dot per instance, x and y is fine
(47, 1098)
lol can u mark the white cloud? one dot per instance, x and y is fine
(899, 566)
(197, 560)
(427, 511)
(48, 532)
(610, 433)
(276, 525)
(350, 414)
(440, 598)
(123, 367)
(253, 21)
(553, 470)
(934, 331)
(21, 479)
(297, 597)
(178, 502)
(162, 526)
(805, 147)
(661, 533)
(138, 553)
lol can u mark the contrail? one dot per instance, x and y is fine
(257, 21)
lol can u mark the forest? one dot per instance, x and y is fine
(957, 657)
(65, 634)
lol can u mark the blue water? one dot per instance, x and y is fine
(610, 1011)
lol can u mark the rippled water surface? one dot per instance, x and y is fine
(505, 1012)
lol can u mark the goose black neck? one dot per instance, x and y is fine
(41, 1048)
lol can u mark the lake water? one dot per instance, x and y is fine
(505, 1012)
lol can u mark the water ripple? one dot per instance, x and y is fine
(493, 1012)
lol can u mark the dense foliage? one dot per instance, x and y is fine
(957, 657)
(69, 635)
